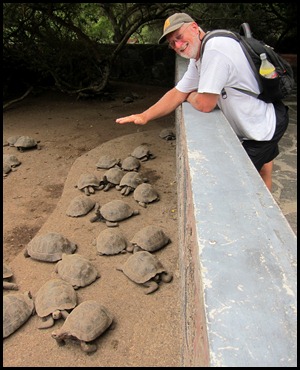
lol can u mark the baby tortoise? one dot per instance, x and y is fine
(145, 269)
(112, 212)
(86, 322)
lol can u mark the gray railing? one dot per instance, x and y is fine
(237, 251)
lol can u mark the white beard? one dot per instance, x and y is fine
(192, 50)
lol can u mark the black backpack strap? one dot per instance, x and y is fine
(215, 33)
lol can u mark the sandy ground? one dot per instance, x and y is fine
(73, 135)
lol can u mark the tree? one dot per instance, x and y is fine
(63, 40)
(64, 43)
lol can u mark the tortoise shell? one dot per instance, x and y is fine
(130, 163)
(85, 323)
(117, 210)
(55, 294)
(150, 238)
(110, 242)
(107, 161)
(142, 152)
(17, 309)
(88, 182)
(49, 247)
(142, 266)
(80, 206)
(25, 142)
(144, 194)
(76, 270)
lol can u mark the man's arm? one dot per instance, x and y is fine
(167, 104)
(203, 102)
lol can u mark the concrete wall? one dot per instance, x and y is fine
(237, 251)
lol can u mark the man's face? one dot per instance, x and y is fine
(185, 41)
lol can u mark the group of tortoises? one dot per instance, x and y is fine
(85, 323)
(121, 175)
(57, 297)
(22, 143)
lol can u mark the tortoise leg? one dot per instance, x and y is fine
(123, 190)
(88, 347)
(91, 190)
(10, 286)
(47, 322)
(98, 216)
(166, 277)
(128, 190)
(64, 314)
(111, 224)
(60, 342)
(26, 254)
(86, 191)
(107, 187)
(137, 248)
(152, 286)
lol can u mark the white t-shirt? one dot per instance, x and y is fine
(224, 65)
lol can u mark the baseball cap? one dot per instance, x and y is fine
(173, 23)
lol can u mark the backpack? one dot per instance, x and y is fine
(271, 90)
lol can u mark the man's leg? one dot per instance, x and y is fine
(266, 174)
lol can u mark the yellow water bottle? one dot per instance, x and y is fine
(267, 69)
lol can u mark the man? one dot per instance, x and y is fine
(209, 81)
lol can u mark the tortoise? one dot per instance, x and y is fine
(142, 152)
(80, 206)
(11, 159)
(110, 242)
(12, 139)
(88, 182)
(167, 134)
(112, 212)
(130, 163)
(7, 275)
(53, 301)
(144, 194)
(150, 238)
(17, 309)
(6, 169)
(49, 247)
(144, 268)
(111, 178)
(85, 323)
(129, 182)
(107, 161)
(76, 270)
(25, 142)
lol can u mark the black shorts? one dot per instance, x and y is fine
(261, 152)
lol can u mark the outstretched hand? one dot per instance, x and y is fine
(138, 119)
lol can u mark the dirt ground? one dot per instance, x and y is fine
(73, 135)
